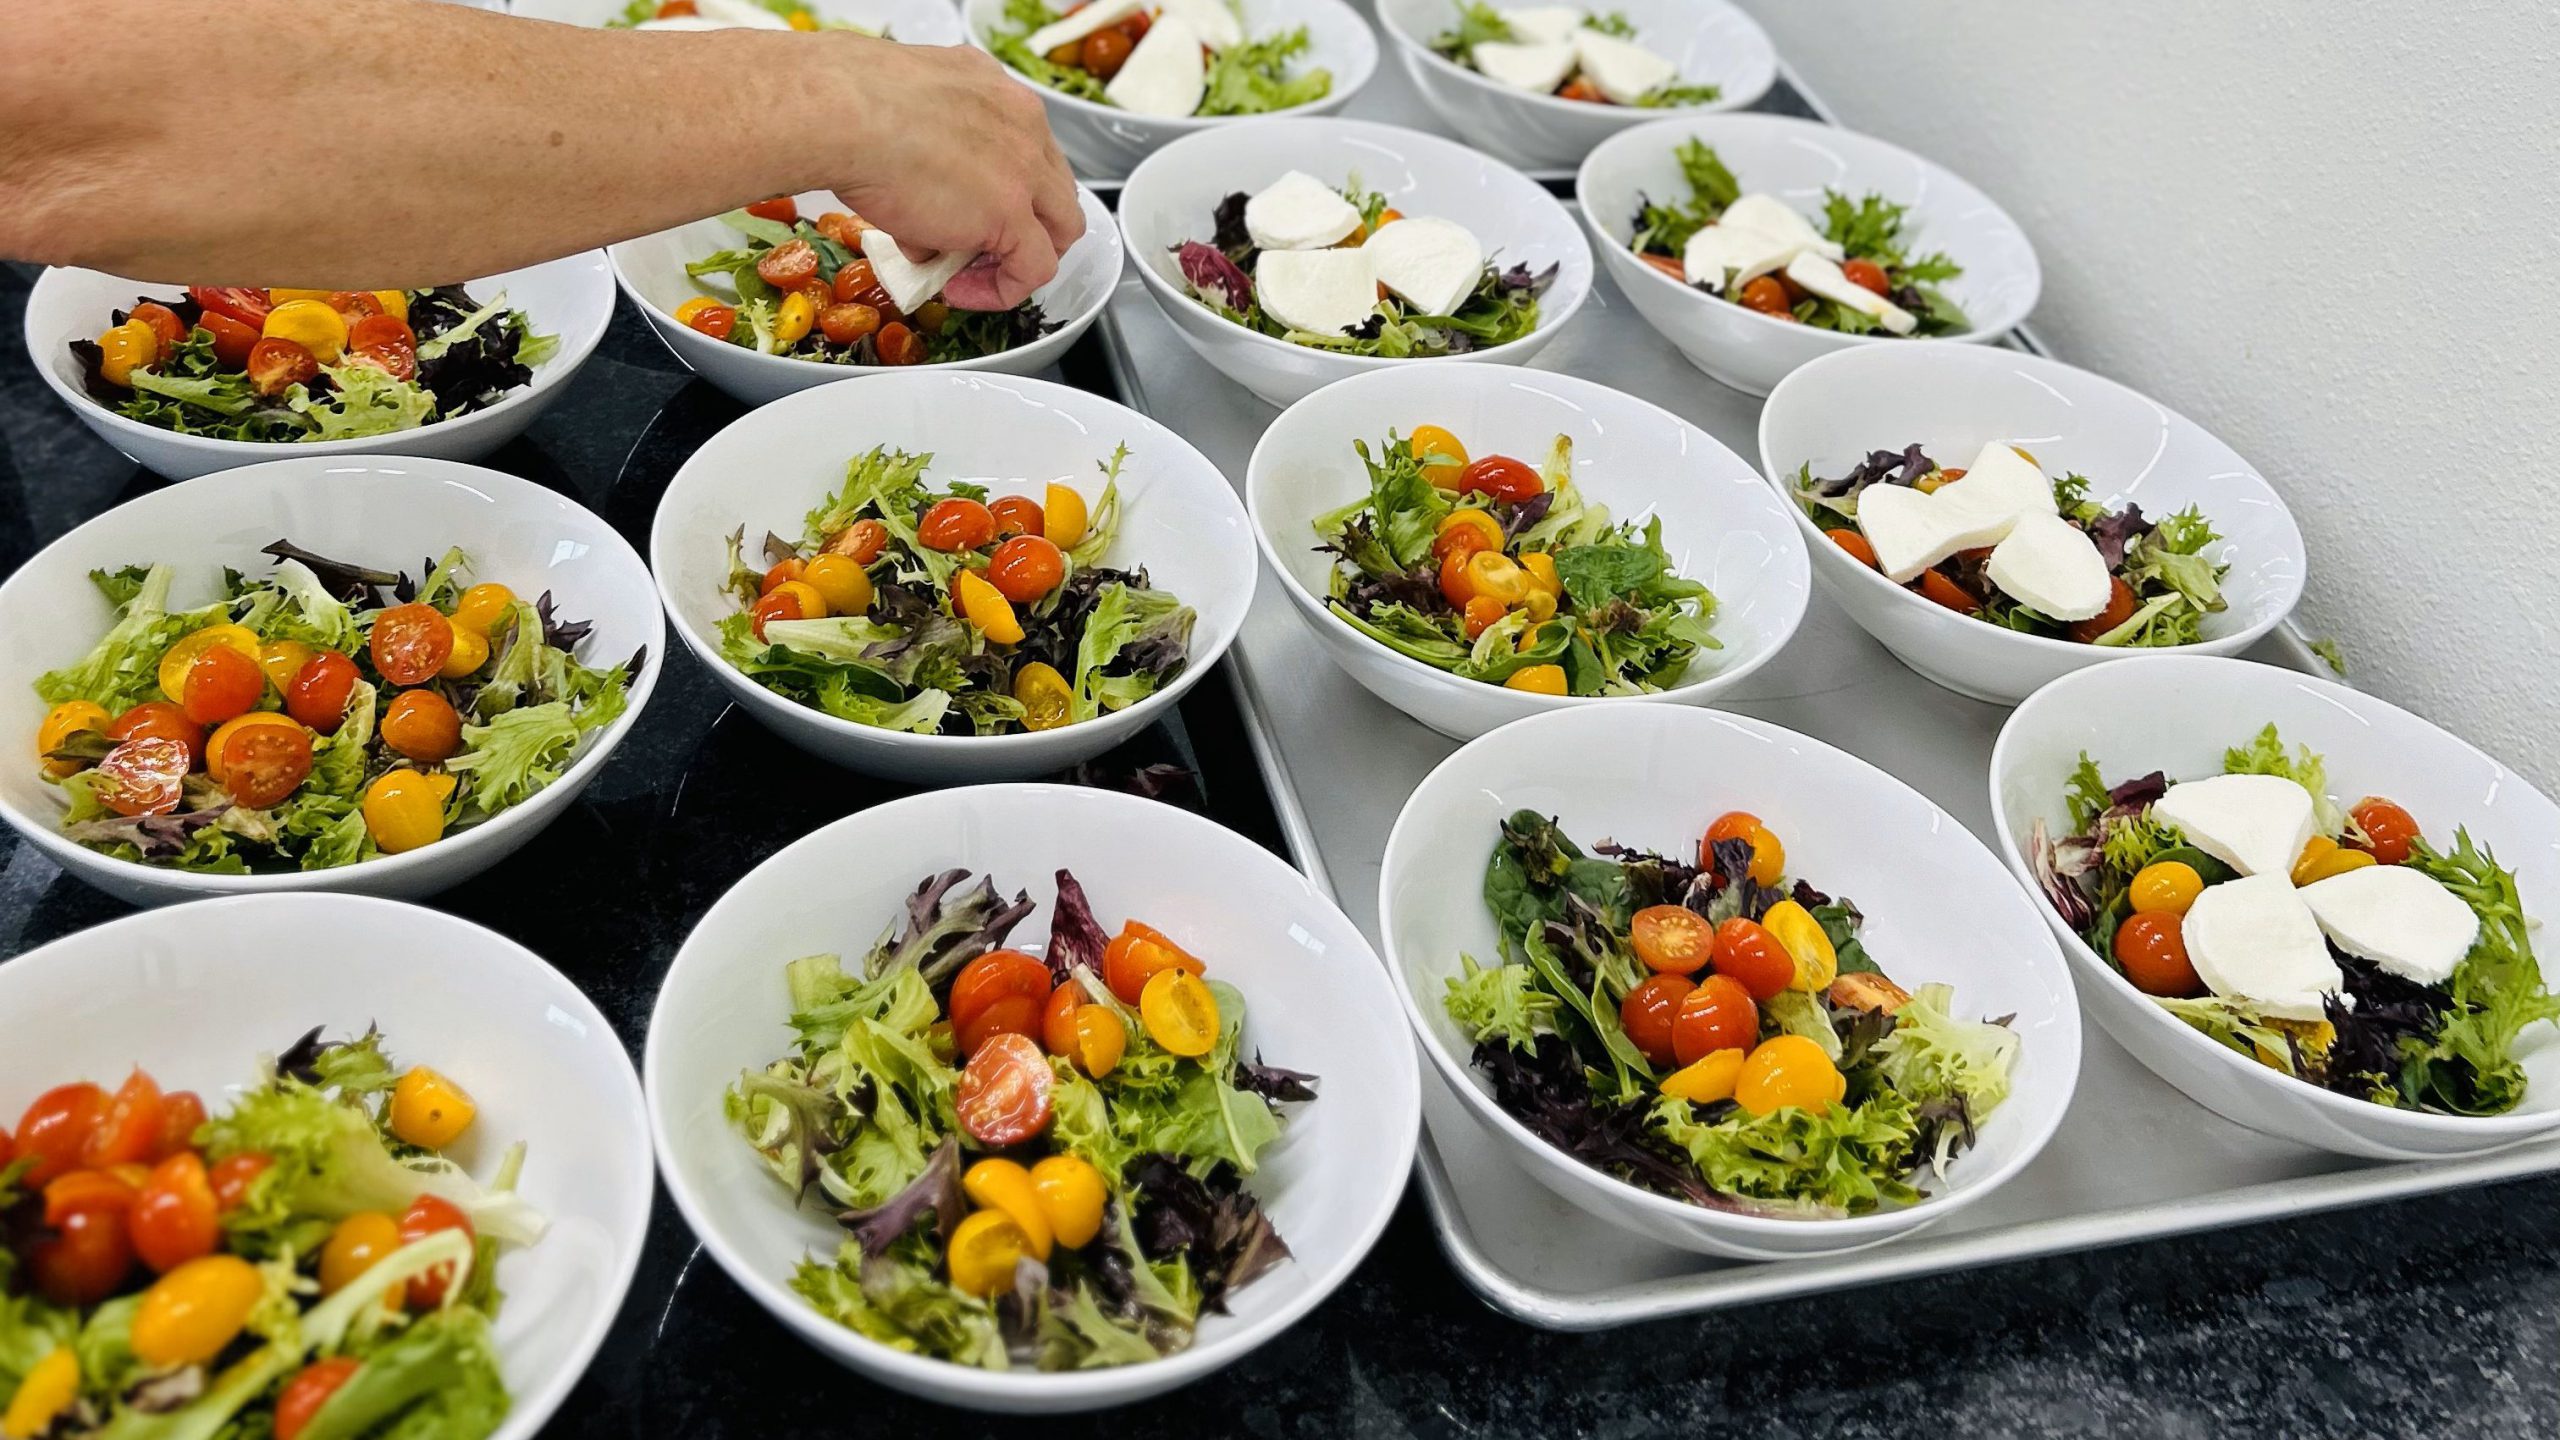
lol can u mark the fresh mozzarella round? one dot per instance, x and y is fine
(1433, 263)
(1299, 212)
(1772, 216)
(2049, 565)
(1214, 20)
(1910, 531)
(1824, 277)
(2254, 939)
(2256, 824)
(1323, 292)
(1722, 257)
(1071, 30)
(1164, 76)
(2401, 919)
(1537, 68)
(1624, 71)
(2002, 479)
(1543, 24)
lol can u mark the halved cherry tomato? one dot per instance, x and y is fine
(789, 265)
(897, 344)
(2120, 608)
(1717, 1015)
(1101, 1038)
(68, 1194)
(1580, 88)
(422, 725)
(1135, 955)
(1854, 543)
(715, 320)
(320, 690)
(2387, 830)
(245, 306)
(263, 764)
(1004, 1186)
(128, 1129)
(182, 655)
(1788, 1070)
(176, 1218)
(1058, 1018)
(276, 365)
(780, 605)
(142, 777)
(781, 209)
(1652, 1004)
(181, 1115)
(159, 720)
(1503, 478)
(387, 343)
(1047, 700)
(1466, 528)
(354, 1245)
(1003, 1096)
(843, 228)
(409, 643)
(996, 975)
(58, 726)
(1751, 957)
(858, 284)
(1454, 585)
(846, 323)
(356, 305)
(427, 1215)
(1026, 567)
(1867, 275)
(1436, 450)
(1935, 586)
(85, 1260)
(1180, 1013)
(780, 573)
(1063, 515)
(1668, 264)
(1104, 52)
(428, 1109)
(232, 340)
(2151, 947)
(956, 523)
(162, 322)
(55, 1129)
(220, 741)
(1017, 515)
(1482, 613)
(1010, 1015)
(221, 683)
(1672, 939)
(307, 1391)
(232, 1176)
(1768, 857)
(1768, 297)
(860, 542)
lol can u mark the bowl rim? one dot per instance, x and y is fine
(1340, 94)
(527, 1412)
(1334, 625)
(1098, 220)
(2359, 1116)
(1174, 302)
(554, 374)
(1420, 52)
(1098, 1386)
(533, 810)
(1876, 1225)
(1977, 331)
(1838, 561)
(1197, 664)
(824, 9)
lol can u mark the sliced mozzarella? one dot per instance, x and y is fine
(2256, 824)
(1542, 24)
(1723, 256)
(1537, 68)
(910, 283)
(744, 14)
(1820, 275)
(1433, 263)
(1772, 216)
(688, 22)
(1299, 212)
(1073, 28)
(1164, 76)
(1214, 20)
(1625, 71)
(2002, 479)
(1910, 531)
(2401, 919)
(1323, 292)
(2254, 939)
(2049, 565)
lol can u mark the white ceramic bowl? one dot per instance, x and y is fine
(1172, 196)
(1316, 1001)
(2178, 713)
(1718, 521)
(1179, 519)
(910, 22)
(388, 512)
(651, 271)
(571, 297)
(1954, 398)
(197, 994)
(1712, 42)
(1796, 160)
(1938, 910)
(1105, 142)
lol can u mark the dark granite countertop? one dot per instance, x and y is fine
(2436, 1317)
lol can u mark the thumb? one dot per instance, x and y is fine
(980, 287)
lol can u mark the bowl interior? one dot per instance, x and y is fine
(915, 22)
(1316, 1000)
(540, 1062)
(1721, 525)
(1712, 42)
(1940, 909)
(1338, 40)
(395, 514)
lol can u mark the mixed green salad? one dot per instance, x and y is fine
(303, 1266)
(1496, 571)
(1038, 1162)
(2333, 943)
(1205, 65)
(938, 611)
(1590, 56)
(320, 715)
(727, 15)
(1714, 1032)
(286, 365)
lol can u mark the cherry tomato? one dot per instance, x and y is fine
(275, 365)
(860, 542)
(1018, 515)
(1788, 1070)
(1580, 88)
(789, 265)
(1455, 587)
(1935, 586)
(859, 284)
(1434, 448)
(1672, 939)
(1649, 1010)
(142, 777)
(1104, 52)
(1003, 1096)
(181, 1115)
(1868, 275)
(2387, 829)
(1482, 613)
(1026, 567)
(1768, 857)
(1716, 1015)
(159, 720)
(780, 605)
(846, 323)
(55, 1130)
(232, 1176)
(68, 1194)
(309, 1389)
(355, 1243)
(1102, 1037)
(1752, 957)
(716, 321)
(263, 764)
(387, 343)
(219, 743)
(781, 209)
(320, 690)
(996, 975)
(2120, 608)
(85, 1260)
(1180, 1013)
(410, 643)
(1135, 955)
(355, 305)
(243, 306)
(844, 229)
(232, 341)
(1768, 297)
(162, 322)
(1058, 1019)
(1854, 543)
(1503, 478)
(176, 1217)
(1063, 516)
(422, 725)
(1006, 1015)
(428, 1215)
(2151, 946)
(782, 572)
(899, 345)
(840, 583)
(2166, 887)
(956, 523)
(128, 1129)
(220, 684)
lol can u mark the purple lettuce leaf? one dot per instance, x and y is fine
(1075, 937)
(1211, 273)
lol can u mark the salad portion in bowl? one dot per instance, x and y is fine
(729, 15)
(1594, 57)
(305, 1264)
(1169, 60)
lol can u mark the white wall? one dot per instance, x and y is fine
(2331, 234)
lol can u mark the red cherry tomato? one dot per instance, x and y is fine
(78, 1190)
(781, 209)
(1006, 1015)
(1868, 275)
(242, 306)
(2120, 607)
(128, 1129)
(1935, 586)
(319, 692)
(275, 365)
(2151, 948)
(2388, 830)
(181, 1115)
(387, 343)
(789, 265)
(159, 720)
(142, 777)
(994, 976)
(426, 1216)
(1018, 515)
(1057, 1020)
(1648, 1012)
(898, 344)
(1503, 478)
(1003, 1097)
(263, 764)
(85, 1260)
(1026, 567)
(1717, 1015)
(1747, 954)
(845, 323)
(232, 341)
(176, 1218)
(1769, 297)
(1135, 955)
(859, 284)
(55, 1130)
(232, 1176)
(163, 322)
(1673, 939)
(1104, 52)
(308, 1390)
(780, 605)
(221, 683)
(956, 523)
(716, 321)
(410, 643)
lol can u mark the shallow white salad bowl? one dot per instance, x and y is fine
(1316, 1000)
(1173, 196)
(391, 513)
(1178, 519)
(1952, 399)
(1713, 43)
(571, 297)
(911, 22)
(200, 994)
(1796, 160)
(2178, 713)
(1721, 526)
(650, 270)
(1938, 908)
(1105, 142)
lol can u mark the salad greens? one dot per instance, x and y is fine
(1479, 23)
(795, 14)
(860, 325)
(1253, 78)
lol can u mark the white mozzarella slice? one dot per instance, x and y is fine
(1299, 212)
(2256, 824)
(685, 22)
(1772, 216)
(1073, 28)
(743, 14)
(1323, 292)
(1820, 275)
(2050, 565)
(1910, 531)
(1723, 256)
(1542, 24)
(1214, 20)
(1537, 68)
(2002, 479)
(2401, 919)
(1625, 71)
(2254, 939)
(1434, 264)
(910, 283)
(1165, 75)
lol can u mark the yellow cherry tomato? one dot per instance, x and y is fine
(189, 1314)
(985, 1248)
(2166, 887)
(1071, 1199)
(1490, 572)
(220, 739)
(987, 608)
(1539, 605)
(394, 303)
(429, 1110)
(282, 660)
(695, 306)
(1542, 573)
(61, 723)
(310, 324)
(470, 651)
(1487, 529)
(839, 582)
(482, 606)
(282, 293)
(45, 1391)
(1433, 446)
(181, 657)
(1788, 1070)
(1709, 1079)
(1047, 700)
(404, 810)
(1802, 937)
(813, 606)
(126, 348)
(1063, 518)
(2320, 859)
(1005, 1187)
(1102, 1037)
(802, 20)
(354, 1245)
(793, 320)
(1180, 1013)
(1537, 680)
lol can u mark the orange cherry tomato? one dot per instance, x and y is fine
(1867, 275)
(1007, 1015)
(232, 1176)
(846, 323)
(1503, 478)
(1767, 296)
(55, 1130)
(780, 605)
(181, 1115)
(176, 1217)
(1101, 1038)
(422, 725)
(1104, 52)
(843, 228)
(263, 764)
(1649, 1012)
(789, 265)
(1718, 1014)
(860, 542)
(1018, 515)
(1135, 955)
(956, 523)
(276, 365)
(2120, 608)
(1937, 587)
(410, 643)
(996, 975)
(858, 284)
(311, 1387)
(142, 777)
(1853, 542)
(128, 1128)
(1768, 857)
(1003, 1095)
(1482, 613)
(320, 690)
(1752, 958)
(386, 343)
(781, 208)
(78, 1190)
(232, 341)
(355, 305)
(1058, 1019)
(162, 322)
(1668, 264)
(245, 307)
(897, 344)
(2151, 947)
(781, 573)
(1672, 939)
(2387, 829)
(159, 720)
(427, 1215)
(85, 1260)
(716, 321)
(1455, 587)
(1026, 567)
